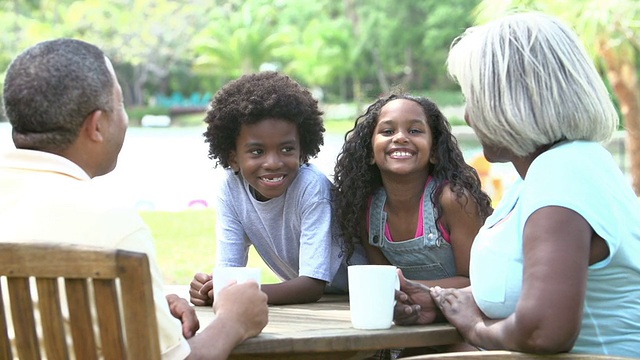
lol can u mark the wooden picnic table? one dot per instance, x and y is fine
(322, 330)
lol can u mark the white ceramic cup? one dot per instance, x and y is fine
(223, 276)
(372, 295)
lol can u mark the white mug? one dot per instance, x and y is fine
(372, 295)
(223, 276)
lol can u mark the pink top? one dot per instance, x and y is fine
(420, 228)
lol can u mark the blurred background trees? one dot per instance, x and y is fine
(347, 51)
(350, 49)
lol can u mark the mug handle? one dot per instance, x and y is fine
(397, 287)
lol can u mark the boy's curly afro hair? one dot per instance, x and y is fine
(255, 97)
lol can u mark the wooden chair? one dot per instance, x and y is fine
(115, 284)
(511, 355)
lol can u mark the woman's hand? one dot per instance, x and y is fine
(459, 307)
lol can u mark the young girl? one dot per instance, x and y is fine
(263, 128)
(404, 191)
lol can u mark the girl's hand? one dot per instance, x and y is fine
(201, 290)
(414, 304)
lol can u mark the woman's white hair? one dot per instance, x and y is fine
(528, 82)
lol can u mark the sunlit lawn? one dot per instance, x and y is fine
(186, 243)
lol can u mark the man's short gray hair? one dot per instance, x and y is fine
(51, 88)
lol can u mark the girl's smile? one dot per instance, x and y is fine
(402, 138)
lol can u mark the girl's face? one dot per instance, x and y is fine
(267, 155)
(402, 139)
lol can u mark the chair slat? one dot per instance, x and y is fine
(139, 309)
(106, 291)
(23, 318)
(39, 260)
(80, 320)
(51, 318)
(5, 343)
(113, 345)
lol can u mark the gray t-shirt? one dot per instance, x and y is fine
(292, 233)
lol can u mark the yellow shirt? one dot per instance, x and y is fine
(47, 198)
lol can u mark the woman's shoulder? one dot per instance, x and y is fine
(574, 154)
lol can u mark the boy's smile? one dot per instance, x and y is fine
(267, 154)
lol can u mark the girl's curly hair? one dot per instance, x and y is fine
(356, 178)
(255, 97)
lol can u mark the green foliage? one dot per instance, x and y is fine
(338, 126)
(443, 97)
(185, 243)
(352, 49)
(137, 112)
(249, 39)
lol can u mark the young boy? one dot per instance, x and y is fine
(263, 128)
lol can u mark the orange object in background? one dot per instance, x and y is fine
(491, 183)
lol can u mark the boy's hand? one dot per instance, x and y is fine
(201, 290)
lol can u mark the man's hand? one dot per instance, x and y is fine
(181, 309)
(245, 308)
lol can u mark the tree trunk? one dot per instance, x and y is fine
(382, 77)
(623, 77)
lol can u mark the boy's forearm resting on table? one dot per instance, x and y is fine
(300, 290)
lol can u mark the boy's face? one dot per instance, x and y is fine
(267, 154)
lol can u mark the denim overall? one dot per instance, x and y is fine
(428, 257)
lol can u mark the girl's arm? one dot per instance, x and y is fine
(374, 254)
(460, 217)
(557, 250)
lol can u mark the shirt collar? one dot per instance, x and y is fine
(34, 160)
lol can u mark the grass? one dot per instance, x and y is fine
(185, 243)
